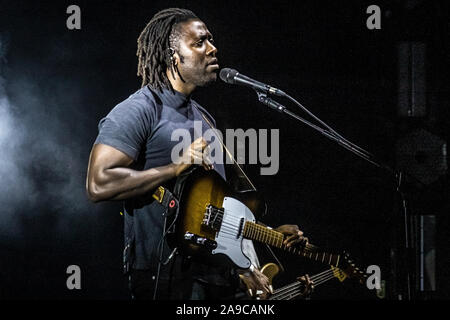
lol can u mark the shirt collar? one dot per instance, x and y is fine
(173, 99)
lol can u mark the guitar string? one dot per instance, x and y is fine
(295, 289)
(234, 228)
(317, 280)
(230, 232)
(267, 234)
(315, 277)
(301, 293)
(297, 292)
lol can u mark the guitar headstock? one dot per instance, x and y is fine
(338, 273)
(349, 268)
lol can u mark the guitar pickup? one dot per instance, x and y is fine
(241, 227)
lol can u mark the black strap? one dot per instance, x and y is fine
(167, 200)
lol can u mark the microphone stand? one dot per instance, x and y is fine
(404, 245)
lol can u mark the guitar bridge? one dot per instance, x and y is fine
(213, 217)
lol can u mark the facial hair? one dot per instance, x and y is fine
(200, 77)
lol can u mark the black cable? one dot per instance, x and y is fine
(160, 250)
(155, 290)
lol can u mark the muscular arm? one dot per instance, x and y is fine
(110, 178)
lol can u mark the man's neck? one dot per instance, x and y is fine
(180, 86)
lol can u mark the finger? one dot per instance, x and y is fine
(289, 240)
(267, 289)
(294, 229)
(294, 240)
(265, 285)
(197, 157)
(198, 147)
(207, 164)
(264, 278)
(199, 144)
(207, 159)
(206, 167)
(204, 144)
(303, 241)
(200, 140)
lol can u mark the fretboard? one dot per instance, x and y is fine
(274, 238)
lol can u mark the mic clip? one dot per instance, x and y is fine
(263, 98)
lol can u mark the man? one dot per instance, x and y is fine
(131, 157)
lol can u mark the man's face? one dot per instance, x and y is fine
(196, 54)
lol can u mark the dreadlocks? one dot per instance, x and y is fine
(156, 45)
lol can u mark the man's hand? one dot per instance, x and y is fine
(195, 154)
(293, 235)
(309, 285)
(257, 283)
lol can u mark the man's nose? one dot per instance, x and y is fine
(212, 50)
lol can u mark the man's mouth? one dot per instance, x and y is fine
(214, 64)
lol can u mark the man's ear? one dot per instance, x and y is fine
(172, 63)
(174, 57)
(175, 61)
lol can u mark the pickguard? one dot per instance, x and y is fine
(229, 238)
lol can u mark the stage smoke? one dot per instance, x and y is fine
(43, 153)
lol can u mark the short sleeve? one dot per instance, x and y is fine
(126, 127)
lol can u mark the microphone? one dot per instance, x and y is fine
(232, 76)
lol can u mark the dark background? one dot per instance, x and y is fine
(56, 85)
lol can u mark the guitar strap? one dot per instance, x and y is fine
(167, 200)
(170, 204)
(217, 136)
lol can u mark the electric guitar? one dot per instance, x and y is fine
(213, 220)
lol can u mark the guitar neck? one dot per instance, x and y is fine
(297, 288)
(274, 238)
